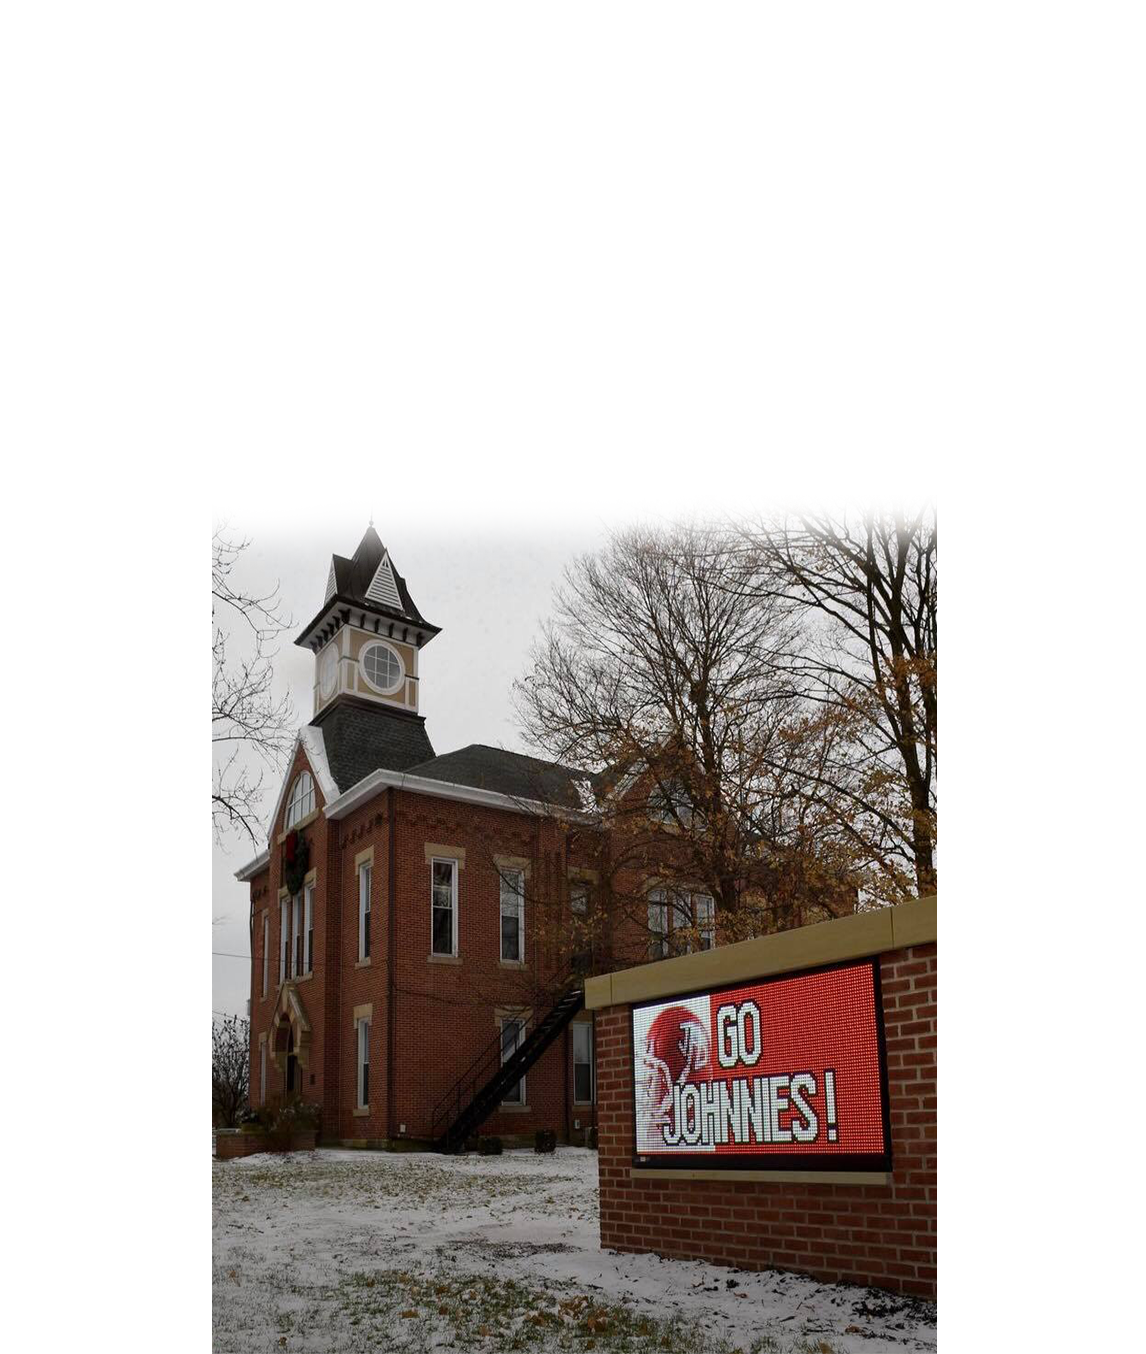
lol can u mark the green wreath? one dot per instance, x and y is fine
(296, 861)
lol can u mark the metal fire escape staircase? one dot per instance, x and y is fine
(484, 1085)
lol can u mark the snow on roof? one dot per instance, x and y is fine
(313, 744)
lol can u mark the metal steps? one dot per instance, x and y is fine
(482, 1088)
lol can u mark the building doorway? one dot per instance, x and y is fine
(293, 1080)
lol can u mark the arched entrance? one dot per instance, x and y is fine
(290, 1041)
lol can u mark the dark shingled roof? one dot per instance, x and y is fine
(507, 773)
(361, 738)
(352, 578)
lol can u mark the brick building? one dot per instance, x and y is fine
(420, 924)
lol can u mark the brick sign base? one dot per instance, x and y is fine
(881, 1234)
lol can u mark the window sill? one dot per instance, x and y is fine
(361, 1111)
(443, 959)
(512, 1107)
(303, 977)
(511, 963)
(584, 1104)
(362, 963)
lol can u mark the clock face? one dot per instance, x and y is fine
(328, 672)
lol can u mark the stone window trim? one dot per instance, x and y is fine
(521, 863)
(364, 858)
(457, 853)
(443, 959)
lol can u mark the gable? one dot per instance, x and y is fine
(383, 589)
(311, 741)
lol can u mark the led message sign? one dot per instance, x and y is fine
(783, 1073)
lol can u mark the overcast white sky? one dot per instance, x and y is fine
(489, 593)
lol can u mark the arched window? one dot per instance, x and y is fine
(383, 668)
(301, 801)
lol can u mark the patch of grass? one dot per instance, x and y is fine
(411, 1183)
(477, 1312)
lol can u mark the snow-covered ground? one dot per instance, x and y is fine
(371, 1251)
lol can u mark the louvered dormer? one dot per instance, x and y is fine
(368, 634)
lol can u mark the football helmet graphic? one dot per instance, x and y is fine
(676, 1051)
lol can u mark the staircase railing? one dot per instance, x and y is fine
(482, 1085)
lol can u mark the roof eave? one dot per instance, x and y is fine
(340, 601)
(382, 779)
(254, 867)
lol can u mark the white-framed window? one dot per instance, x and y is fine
(658, 924)
(582, 1062)
(670, 804)
(443, 906)
(262, 1071)
(705, 919)
(284, 939)
(363, 1062)
(308, 927)
(296, 936)
(579, 899)
(365, 880)
(682, 918)
(691, 917)
(301, 801)
(266, 949)
(512, 915)
(512, 1037)
(382, 668)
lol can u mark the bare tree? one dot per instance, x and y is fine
(660, 675)
(230, 1069)
(867, 664)
(249, 724)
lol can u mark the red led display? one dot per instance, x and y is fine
(782, 1073)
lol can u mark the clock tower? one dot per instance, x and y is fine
(367, 636)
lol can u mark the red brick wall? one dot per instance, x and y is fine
(314, 990)
(882, 1235)
(229, 1145)
(444, 1014)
